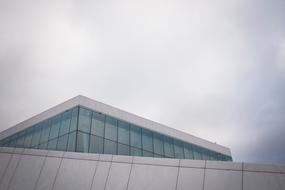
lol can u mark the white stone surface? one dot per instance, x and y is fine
(118, 176)
(4, 161)
(223, 180)
(48, 173)
(153, 177)
(223, 165)
(27, 172)
(190, 177)
(100, 177)
(75, 174)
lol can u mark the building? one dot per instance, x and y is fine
(85, 144)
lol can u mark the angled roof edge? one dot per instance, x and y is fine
(119, 114)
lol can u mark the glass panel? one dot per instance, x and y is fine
(73, 123)
(136, 140)
(55, 127)
(45, 131)
(42, 146)
(110, 147)
(111, 128)
(188, 151)
(206, 154)
(136, 152)
(123, 149)
(20, 141)
(178, 149)
(158, 144)
(147, 140)
(28, 139)
(123, 132)
(65, 123)
(36, 135)
(96, 144)
(147, 154)
(52, 144)
(71, 142)
(84, 122)
(82, 142)
(98, 124)
(62, 143)
(158, 156)
(197, 153)
(168, 147)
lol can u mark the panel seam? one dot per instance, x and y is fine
(18, 163)
(38, 178)
(129, 177)
(53, 184)
(204, 177)
(177, 178)
(5, 170)
(97, 165)
(105, 185)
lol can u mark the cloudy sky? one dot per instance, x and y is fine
(214, 69)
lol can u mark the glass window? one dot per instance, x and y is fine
(123, 149)
(98, 124)
(96, 144)
(55, 127)
(136, 140)
(147, 140)
(36, 135)
(65, 123)
(45, 131)
(110, 147)
(147, 154)
(206, 154)
(84, 122)
(111, 128)
(28, 139)
(136, 152)
(82, 142)
(73, 122)
(42, 146)
(71, 142)
(20, 141)
(158, 144)
(62, 143)
(52, 144)
(178, 149)
(123, 132)
(168, 147)
(197, 153)
(188, 152)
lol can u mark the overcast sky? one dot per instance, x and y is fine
(214, 69)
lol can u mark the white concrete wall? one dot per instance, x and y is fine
(28, 169)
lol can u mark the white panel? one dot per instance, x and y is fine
(223, 165)
(101, 175)
(118, 176)
(4, 161)
(223, 180)
(27, 172)
(262, 181)
(10, 171)
(75, 175)
(190, 177)
(156, 161)
(48, 173)
(153, 177)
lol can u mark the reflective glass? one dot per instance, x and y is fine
(111, 128)
(96, 144)
(136, 140)
(55, 127)
(84, 122)
(136, 152)
(197, 153)
(36, 135)
(110, 147)
(206, 154)
(28, 140)
(42, 146)
(73, 123)
(168, 147)
(71, 142)
(52, 144)
(123, 132)
(188, 152)
(20, 141)
(178, 149)
(82, 144)
(123, 149)
(98, 124)
(62, 143)
(45, 131)
(65, 123)
(147, 140)
(147, 154)
(158, 144)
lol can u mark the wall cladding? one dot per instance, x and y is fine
(27, 169)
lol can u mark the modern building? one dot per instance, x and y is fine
(85, 144)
